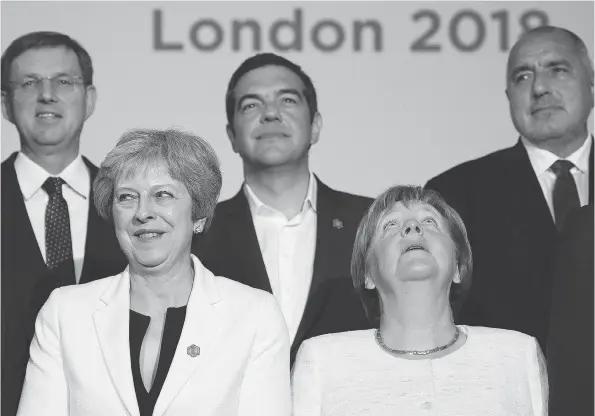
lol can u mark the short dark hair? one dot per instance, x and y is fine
(38, 40)
(269, 59)
(360, 260)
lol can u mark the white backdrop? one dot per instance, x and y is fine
(391, 114)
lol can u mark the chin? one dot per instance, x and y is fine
(417, 271)
(150, 260)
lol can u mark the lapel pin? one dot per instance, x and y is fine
(193, 350)
(337, 223)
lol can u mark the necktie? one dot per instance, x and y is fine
(58, 244)
(565, 195)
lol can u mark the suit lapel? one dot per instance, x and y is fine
(239, 226)
(112, 327)
(328, 234)
(20, 250)
(200, 329)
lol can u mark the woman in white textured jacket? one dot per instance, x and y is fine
(165, 337)
(410, 260)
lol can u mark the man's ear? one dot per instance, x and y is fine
(90, 99)
(315, 128)
(232, 137)
(7, 107)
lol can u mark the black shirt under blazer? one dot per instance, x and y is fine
(230, 248)
(26, 281)
(512, 235)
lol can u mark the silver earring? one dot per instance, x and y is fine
(197, 230)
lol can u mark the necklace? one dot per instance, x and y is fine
(380, 342)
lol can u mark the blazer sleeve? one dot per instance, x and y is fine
(265, 387)
(537, 378)
(45, 390)
(306, 382)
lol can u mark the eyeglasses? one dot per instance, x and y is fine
(61, 84)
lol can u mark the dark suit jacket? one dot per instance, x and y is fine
(26, 281)
(230, 248)
(570, 340)
(512, 236)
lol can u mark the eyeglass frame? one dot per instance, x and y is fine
(37, 80)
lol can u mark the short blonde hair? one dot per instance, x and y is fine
(188, 158)
(361, 259)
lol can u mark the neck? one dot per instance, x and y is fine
(281, 188)
(419, 318)
(564, 147)
(52, 160)
(152, 292)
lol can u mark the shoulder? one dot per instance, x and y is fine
(339, 344)
(8, 163)
(236, 291)
(479, 165)
(76, 301)
(501, 341)
(357, 204)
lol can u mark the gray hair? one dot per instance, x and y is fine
(361, 259)
(188, 158)
(579, 45)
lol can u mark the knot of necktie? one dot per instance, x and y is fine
(562, 167)
(53, 186)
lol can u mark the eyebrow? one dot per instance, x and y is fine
(548, 64)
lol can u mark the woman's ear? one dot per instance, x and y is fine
(369, 283)
(457, 277)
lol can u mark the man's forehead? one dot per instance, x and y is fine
(50, 58)
(273, 77)
(544, 47)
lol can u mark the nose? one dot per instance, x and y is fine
(540, 85)
(46, 91)
(144, 211)
(271, 114)
(411, 227)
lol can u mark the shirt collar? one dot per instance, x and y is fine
(541, 159)
(259, 207)
(31, 176)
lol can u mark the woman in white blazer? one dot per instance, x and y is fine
(165, 336)
(411, 257)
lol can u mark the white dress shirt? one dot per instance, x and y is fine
(76, 192)
(542, 160)
(287, 247)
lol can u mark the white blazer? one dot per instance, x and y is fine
(80, 355)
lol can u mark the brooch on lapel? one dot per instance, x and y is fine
(337, 223)
(193, 350)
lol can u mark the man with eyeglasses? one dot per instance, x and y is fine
(51, 234)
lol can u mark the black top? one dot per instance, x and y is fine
(139, 323)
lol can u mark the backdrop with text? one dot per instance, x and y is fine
(406, 89)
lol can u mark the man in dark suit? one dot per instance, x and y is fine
(570, 339)
(51, 233)
(514, 201)
(285, 231)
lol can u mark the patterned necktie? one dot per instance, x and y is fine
(565, 194)
(58, 243)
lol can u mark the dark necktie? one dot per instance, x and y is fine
(565, 195)
(58, 243)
